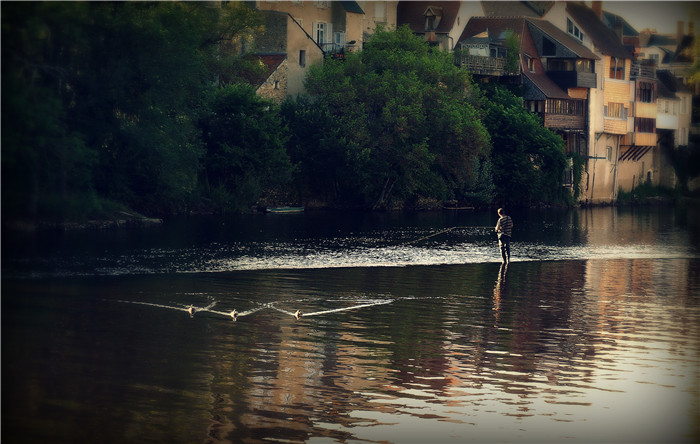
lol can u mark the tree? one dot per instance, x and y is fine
(528, 159)
(103, 99)
(245, 148)
(408, 125)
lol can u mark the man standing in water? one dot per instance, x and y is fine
(504, 228)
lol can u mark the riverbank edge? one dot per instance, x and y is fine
(125, 220)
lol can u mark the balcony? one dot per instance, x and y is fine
(640, 139)
(573, 79)
(643, 69)
(483, 65)
(338, 50)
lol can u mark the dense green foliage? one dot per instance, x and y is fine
(103, 99)
(245, 148)
(528, 159)
(145, 106)
(407, 122)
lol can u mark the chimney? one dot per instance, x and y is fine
(679, 31)
(597, 7)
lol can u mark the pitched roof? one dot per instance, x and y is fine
(411, 13)
(352, 6)
(610, 19)
(271, 62)
(661, 40)
(603, 37)
(670, 83)
(515, 8)
(545, 85)
(539, 84)
(497, 25)
(563, 38)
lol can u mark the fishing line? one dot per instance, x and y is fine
(436, 234)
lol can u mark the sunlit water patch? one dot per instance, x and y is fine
(330, 253)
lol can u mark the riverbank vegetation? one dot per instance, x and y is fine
(135, 106)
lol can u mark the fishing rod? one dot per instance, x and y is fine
(438, 233)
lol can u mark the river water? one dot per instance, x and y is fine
(410, 329)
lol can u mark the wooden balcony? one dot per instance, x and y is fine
(573, 79)
(641, 139)
(648, 110)
(614, 125)
(483, 65)
(564, 121)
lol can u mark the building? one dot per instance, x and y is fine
(439, 22)
(609, 102)
(555, 69)
(305, 32)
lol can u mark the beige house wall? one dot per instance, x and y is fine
(633, 173)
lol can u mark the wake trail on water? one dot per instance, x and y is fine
(193, 310)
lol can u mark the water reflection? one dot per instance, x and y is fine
(576, 350)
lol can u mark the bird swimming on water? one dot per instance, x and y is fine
(297, 314)
(191, 311)
(234, 314)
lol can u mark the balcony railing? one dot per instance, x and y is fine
(486, 65)
(338, 49)
(643, 69)
(573, 79)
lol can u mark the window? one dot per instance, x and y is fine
(584, 65)
(302, 57)
(655, 58)
(322, 4)
(643, 125)
(616, 111)
(568, 107)
(530, 64)
(573, 30)
(645, 92)
(430, 23)
(556, 65)
(321, 32)
(684, 105)
(617, 68)
(380, 12)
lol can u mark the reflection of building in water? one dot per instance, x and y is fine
(624, 226)
(305, 378)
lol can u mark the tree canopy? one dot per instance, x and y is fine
(146, 106)
(407, 122)
(103, 99)
(528, 159)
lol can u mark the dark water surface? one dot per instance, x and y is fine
(411, 331)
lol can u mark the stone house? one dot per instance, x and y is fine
(305, 32)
